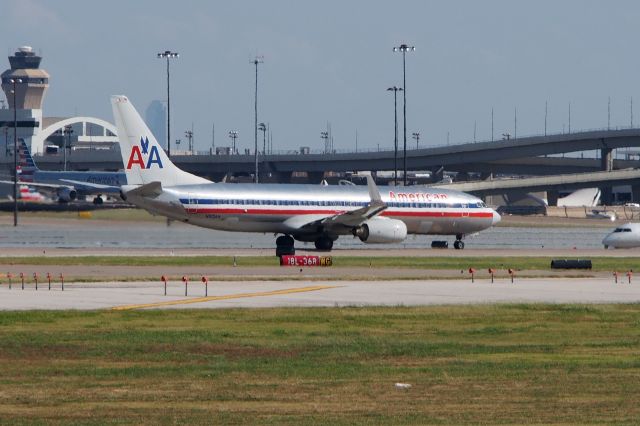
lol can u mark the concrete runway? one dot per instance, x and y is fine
(259, 294)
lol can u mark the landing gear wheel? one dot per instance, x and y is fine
(324, 244)
(458, 245)
(97, 200)
(284, 240)
(285, 245)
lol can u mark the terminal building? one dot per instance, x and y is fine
(25, 85)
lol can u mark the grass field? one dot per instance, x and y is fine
(561, 364)
(480, 262)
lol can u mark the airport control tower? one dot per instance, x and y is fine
(31, 83)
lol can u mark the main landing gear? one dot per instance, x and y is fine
(285, 245)
(324, 243)
(458, 244)
(97, 200)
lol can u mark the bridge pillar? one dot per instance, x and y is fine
(606, 159)
(552, 197)
(463, 177)
(606, 164)
(283, 177)
(635, 193)
(486, 176)
(315, 177)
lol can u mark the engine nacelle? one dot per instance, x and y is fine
(67, 194)
(381, 230)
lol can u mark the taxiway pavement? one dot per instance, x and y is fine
(262, 294)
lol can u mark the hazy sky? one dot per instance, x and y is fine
(333, 61)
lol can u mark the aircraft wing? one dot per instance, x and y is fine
(347, 220)
(40, 185)
(94, 187)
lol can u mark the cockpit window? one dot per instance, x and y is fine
(622, 230)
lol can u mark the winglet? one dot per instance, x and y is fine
(374, 194)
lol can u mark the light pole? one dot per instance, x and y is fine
(15, 81)
(263, 128)
(416, 136)
(325, 136)
(233, 134)
(395, 91)
(257, 60)
(6, 140)
(168, 55)
(68, 130)
(404, 49)
(189, 135)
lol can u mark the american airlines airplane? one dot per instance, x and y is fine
(313, 213)
(67, 186)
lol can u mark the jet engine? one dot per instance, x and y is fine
(67, 194)
(381, 230)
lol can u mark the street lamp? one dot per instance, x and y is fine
(416, 136)
(233, 134)
(189, 135)
(263, 128)
(404, 49)
(257, 60)
(15, 81)
(168, 55)
(395, 91)
(325, 136)
(68, 130)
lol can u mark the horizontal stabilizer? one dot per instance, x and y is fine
(150, 190)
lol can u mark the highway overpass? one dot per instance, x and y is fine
(504, 156)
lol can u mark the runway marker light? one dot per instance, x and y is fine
(185, 280)
(492, 272)
(629, 275)
(9, 276)
(164, 280)
(472, 271)
(62, 280)
(615, 276)
(22, 279)
(35, 278)
(205, 280)
(49, 279)
(512, 273)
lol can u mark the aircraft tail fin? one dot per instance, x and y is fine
(26, 166)
(144, 159)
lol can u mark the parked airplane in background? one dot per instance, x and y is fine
(67, 186)
(30, 194)
(313, 213)
(624, 236)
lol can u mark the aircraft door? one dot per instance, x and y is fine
(465, 210)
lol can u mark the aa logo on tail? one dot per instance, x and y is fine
(137, 153)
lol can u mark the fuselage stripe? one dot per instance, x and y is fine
(287, 212)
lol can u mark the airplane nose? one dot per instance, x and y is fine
(496, 218)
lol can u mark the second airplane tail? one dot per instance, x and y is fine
(144, 159)
(26, 166)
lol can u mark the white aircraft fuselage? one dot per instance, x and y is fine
(275, 207)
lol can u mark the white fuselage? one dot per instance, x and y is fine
(281, 208)
(624, 236)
